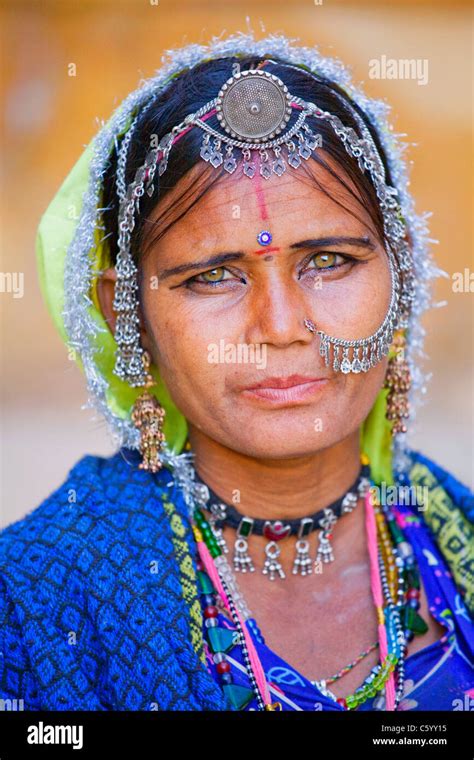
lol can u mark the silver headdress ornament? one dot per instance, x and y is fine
(254, 109)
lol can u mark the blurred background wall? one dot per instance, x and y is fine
(49, 116)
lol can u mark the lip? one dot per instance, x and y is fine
(285, 390)
(283, 382)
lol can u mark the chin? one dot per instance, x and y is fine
(282, 442)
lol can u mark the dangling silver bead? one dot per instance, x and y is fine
(364, 486)
(242, 560)
(346, 364)
(325, 552)
(349, 503)
(302, 562)
(272, 565)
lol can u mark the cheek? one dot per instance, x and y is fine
(182, 348)
(355, 306)
(358, 392)
(349, 401)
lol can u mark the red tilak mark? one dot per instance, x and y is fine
(260, 196)
(266, 250)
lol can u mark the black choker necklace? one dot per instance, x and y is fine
(275, 530)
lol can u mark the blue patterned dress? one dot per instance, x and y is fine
(100, 605)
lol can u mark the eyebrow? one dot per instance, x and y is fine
(221, 258)
(359, 242)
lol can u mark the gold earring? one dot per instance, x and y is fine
(148, 417)
(398, 381)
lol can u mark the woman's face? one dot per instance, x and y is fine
(216, 329)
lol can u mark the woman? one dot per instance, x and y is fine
(243, 289)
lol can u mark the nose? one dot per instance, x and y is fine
(277, 312)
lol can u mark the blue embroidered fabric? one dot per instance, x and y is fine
(97, 611)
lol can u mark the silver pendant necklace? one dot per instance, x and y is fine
(324, 520)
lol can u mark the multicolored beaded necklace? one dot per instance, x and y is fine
(395, 588)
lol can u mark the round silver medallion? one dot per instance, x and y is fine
(254, 106)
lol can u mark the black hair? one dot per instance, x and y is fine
(187, 93)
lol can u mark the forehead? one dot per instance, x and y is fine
(295, 203)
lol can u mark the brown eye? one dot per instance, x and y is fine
(325, 260)
(214, 278)
(213, 275)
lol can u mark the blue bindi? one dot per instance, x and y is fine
(264, 237)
